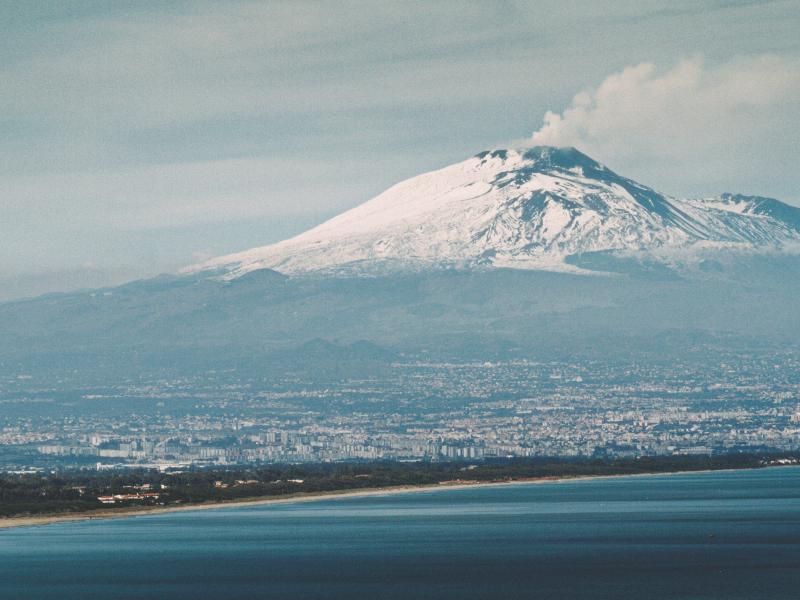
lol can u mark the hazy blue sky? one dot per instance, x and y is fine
(137, 137)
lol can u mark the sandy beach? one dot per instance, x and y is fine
(135, 511)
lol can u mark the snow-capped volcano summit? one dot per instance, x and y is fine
(528, 208)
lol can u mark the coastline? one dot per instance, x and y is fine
(302, 497)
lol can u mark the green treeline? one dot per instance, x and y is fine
(78, 491)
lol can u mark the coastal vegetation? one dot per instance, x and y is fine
(83, 491)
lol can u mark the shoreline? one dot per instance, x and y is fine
(302, 497)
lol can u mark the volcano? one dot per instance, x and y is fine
(529, 209)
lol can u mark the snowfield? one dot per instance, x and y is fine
(528, 209)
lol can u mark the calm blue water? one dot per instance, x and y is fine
(719, 535)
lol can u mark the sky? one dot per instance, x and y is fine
(139, 137)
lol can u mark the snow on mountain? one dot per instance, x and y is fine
(529, 208)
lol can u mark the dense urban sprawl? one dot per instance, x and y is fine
(414, 411)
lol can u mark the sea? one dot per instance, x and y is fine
(720, 535)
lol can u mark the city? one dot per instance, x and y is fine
(417, 410)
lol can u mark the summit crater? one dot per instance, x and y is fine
(530, 208)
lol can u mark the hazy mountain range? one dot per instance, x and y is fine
(509, 253)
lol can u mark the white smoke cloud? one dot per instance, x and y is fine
(714, 121)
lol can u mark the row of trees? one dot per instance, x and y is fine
(78, 491)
